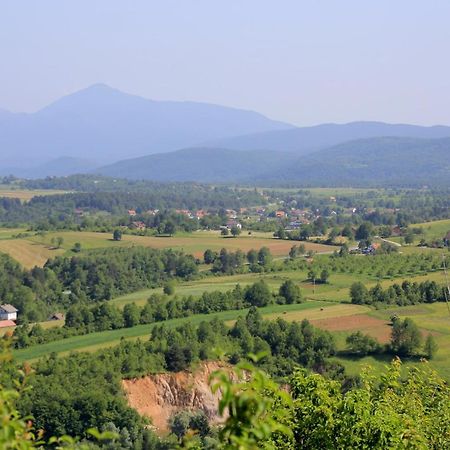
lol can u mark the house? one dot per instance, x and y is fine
(280, 214)
(233, 223)
(131, 212)
(200, 214)
(137, 225)
(8, 312)
(7, 323)
(396, 231)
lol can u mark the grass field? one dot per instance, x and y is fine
(25, 194)
(27, 252)
(8, 233)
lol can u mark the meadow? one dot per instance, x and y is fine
(26, 194)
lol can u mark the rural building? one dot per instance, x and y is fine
(233, 223)
(137, 225)
(131, 212)
(8, 312)
(280, 214)
(7, 323)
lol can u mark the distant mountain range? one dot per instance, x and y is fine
(103, 130)
(107, 125)
(309, 139)
(382, 161)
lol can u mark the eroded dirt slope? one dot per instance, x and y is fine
(159, 396)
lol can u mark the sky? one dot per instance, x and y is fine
(301, 61)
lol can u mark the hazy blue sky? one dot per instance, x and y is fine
(302, 61)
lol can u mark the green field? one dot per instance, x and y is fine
(431, 318)
(433, 230)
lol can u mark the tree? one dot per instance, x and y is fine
(362, 344)
(430, 347)
(406, 338)
(59, 241)
(169, 228)
(169, 288)
(264, 257)
(209, 256)
(225, 232)
(293, 252)
(364, 231)
(258, 294)
(117, 235)
(324, 275)
(409, 238)
(252, 256)
(235, 231)
(76, 247)
(359, 293)
(280, 233)
(131, 315)
(290, 292)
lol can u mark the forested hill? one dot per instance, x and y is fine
(372, 162)
(394, 161)
(199, 164)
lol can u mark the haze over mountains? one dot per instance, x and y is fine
(103, 124)
(103, 130)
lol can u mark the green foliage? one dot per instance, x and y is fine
(117, 235)
(290, 292)
(430, 347)
(406, 338)
(362, 344)
(388, 412)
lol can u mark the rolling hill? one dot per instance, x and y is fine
(375, 161)
(199, 164)
(309, 139)
(106, 125)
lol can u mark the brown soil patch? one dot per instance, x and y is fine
(159, 396)
(376, 328)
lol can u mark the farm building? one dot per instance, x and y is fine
(8, 312)
(7, 323)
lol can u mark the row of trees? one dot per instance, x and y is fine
(83, 319)
(405, 294)
(227, 262)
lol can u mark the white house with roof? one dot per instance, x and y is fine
(8, 312)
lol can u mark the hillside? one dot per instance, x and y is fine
(378, 161)
(199, 164)
(308, 139)
(104, 124)
(375, 161)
